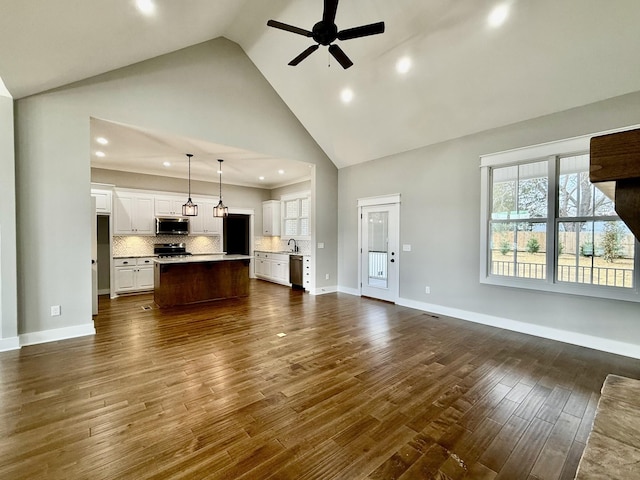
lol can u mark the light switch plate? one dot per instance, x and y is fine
(406, 247)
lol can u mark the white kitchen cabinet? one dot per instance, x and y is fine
(133, 274)
(273, 267)
(103, 200)
(263, 267)
(168, 206)
(205, 223)
(133, 214)
(271, 218)
(280, 270)
(307, 273)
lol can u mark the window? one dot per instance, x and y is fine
(296, 215)
(545, 226)
(519, 220)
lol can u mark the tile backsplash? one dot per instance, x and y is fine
(277, 244)
(131, 245)
(136, 246)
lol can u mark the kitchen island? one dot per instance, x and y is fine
(200, 278)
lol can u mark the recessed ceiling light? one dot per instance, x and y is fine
(403, 65)
(498, 15)
(146, 7)
(346, 95)
(102, 140)
(260, 178)
(166, 164)
(100, 154)
(281, 172)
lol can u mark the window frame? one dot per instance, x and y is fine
(299, 197)
(551, 152)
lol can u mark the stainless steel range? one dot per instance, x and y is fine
(163, 250)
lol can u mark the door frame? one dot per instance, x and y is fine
(382, 200)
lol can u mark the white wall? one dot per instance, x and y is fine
(8, 282)
(210, 91)
(440, 218)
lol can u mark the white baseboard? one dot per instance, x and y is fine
(349, 291)
(104, 291)
(10, 343)
(324, 290)
(565, 336)
(57, 334)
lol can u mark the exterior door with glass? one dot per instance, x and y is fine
(379, 251)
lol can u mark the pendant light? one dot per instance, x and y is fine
(220, 210)
(189, 209)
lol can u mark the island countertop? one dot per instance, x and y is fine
(215, 257)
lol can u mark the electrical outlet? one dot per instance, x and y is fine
(321, 245)
(427, 289)
(326, 277)
(55, 310)
(406, 247)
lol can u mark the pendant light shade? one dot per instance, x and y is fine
(189, 209)
(220, 210)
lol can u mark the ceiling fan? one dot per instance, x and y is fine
(325, 32)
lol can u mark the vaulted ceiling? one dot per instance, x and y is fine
(465, 76)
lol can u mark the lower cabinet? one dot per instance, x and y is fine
(133, 274)
(273, 267)
(307, 273)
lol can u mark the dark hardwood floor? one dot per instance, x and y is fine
(357, 389)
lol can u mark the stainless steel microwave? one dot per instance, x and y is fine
(172, 226)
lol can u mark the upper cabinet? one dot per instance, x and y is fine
(271, 218)
(168, 206)
(103, 198)
(205, 223)
(133, 213)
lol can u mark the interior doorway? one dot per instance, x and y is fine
(103, 254)
(236, 234)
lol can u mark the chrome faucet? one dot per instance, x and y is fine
(295, 244)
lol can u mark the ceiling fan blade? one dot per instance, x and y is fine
(289, 28)
(340, 56)
(303, 55)
(330, 8)
(363, 31)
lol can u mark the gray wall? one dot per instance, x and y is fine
(440, 218)
(8, 281)
(276, 193)
(210, 91)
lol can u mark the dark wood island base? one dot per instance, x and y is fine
(184, 282)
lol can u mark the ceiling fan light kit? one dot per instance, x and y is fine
(325, 32)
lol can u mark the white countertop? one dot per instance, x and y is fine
(219, 257)
(280, 252)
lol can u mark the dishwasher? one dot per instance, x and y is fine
(295, 271)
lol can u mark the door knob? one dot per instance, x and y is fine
(393, 260)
